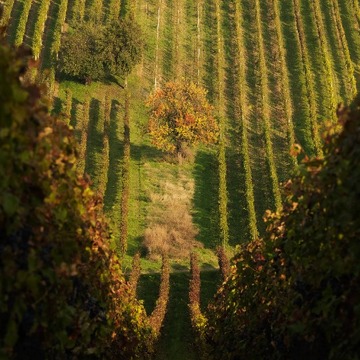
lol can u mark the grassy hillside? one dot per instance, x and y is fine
(274, 71)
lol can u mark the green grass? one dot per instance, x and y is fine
(263, 198)
(95, 140)
(176, 337)
(49, 33)
(280, 111)
(297, 79)
(177, 57)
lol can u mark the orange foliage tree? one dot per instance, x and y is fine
(180, 116)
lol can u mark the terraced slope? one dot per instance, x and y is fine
(274, 70)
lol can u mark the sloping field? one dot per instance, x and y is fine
(275, 72)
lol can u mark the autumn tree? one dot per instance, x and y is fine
(180, 116)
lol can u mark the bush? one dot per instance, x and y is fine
(62, 293)
(157, 317)
(295, 294)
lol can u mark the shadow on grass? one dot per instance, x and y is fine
(30, 24)
(135, 246)
(206, 198)
(116, 148)
(73, 121)
(139, 154)
(210, 49)
(176, 340)
(49, 33)
(57, 106)
(14, 23)
(179, 267)
(95, 139)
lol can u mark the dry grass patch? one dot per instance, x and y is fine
(171, 229)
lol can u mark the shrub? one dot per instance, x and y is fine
(224, 262)
(62, 293)
(294, 294)
(157, 317)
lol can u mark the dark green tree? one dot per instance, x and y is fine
(81, 53)
(122, 47)
(92, 52)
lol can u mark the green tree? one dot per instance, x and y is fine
(81, 53)
(121, 47)
(180, 116)
(92, 51)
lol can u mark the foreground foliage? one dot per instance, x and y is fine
(62, 293)
(295, 294)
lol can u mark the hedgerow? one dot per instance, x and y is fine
(21, 27)
(62, 292)
(295, 293)
(125, 179)
(198, 320)
(36, 41)
(157, 317)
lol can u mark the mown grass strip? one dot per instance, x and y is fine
(50, 25)
(265, 108)
(344, 49)
(259, 164)
(348, 15)
(30, 23)
(157, 46)
(199, 40)
(284, 76)
(67, 107)
(177, 40)
(113, 188)
(189, 39)
(356, 11)
(82, 120)
(220, 105)
(327, 60)
(309, 82)
(95, 141)
(168, 41)
(280, 103)
(103, 177)
(60, 20)
(316, 64)
(125, 179)
(242, 111)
